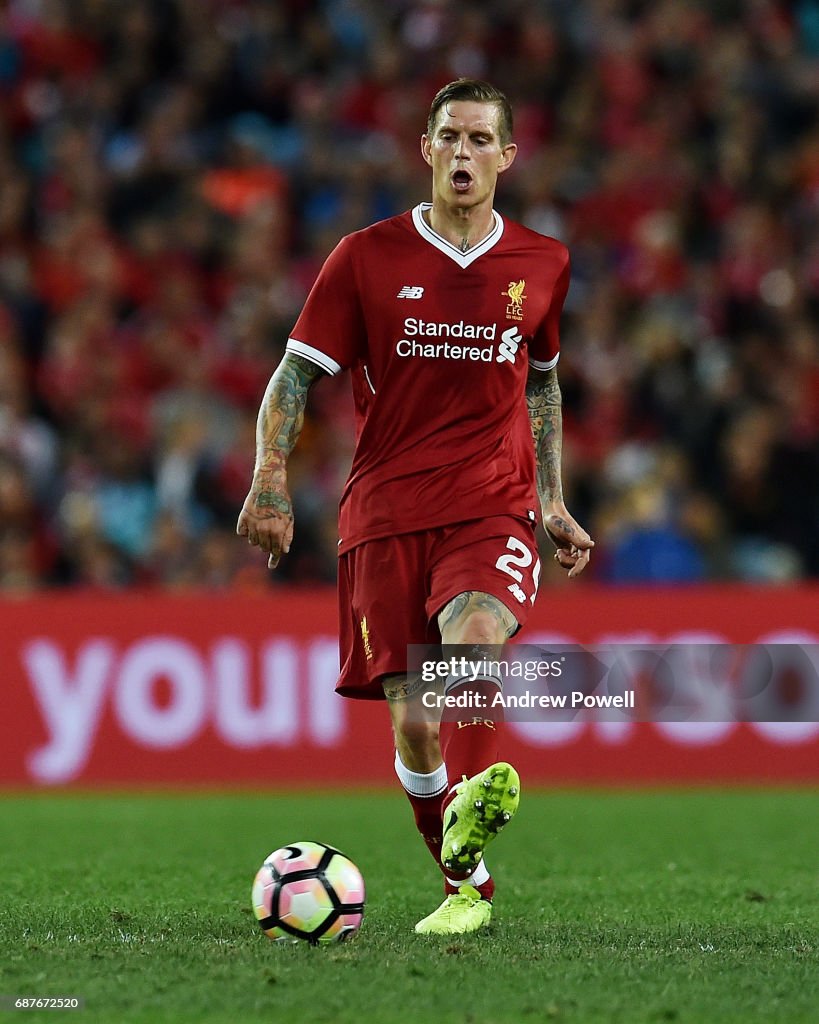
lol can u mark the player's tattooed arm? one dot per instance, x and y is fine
(545, 406)
(266, 518)
(281, 415)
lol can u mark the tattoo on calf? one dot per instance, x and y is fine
(398, 688)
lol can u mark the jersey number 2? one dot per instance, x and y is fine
(519, 557)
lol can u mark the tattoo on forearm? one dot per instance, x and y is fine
(281, 415)
(281, 418)
(544, 402)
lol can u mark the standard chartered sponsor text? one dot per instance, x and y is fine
(415, 329)
(443, 350)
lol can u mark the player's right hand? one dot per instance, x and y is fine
(266, 520)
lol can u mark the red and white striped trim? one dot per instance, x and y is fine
(463, 259)
(538, 365)
(315, 355)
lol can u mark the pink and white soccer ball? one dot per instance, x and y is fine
(308, 891)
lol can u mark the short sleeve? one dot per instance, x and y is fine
(330, 330)
(544, 349)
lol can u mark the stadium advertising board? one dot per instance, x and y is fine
(233, 689)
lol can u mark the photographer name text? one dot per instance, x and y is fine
(575, 699)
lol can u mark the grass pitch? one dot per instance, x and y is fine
(611, 907)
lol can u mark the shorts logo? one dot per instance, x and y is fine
(508, 347)
(411, 291)
(365, 637)
(514, 311)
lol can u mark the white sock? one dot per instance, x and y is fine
(478, 877)
(419, 784)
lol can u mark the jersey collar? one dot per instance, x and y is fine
(463, 259)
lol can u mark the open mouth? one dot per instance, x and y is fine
(461, 180)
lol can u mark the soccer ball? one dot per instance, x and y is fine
(308, 891)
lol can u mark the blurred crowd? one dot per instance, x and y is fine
(174, 172)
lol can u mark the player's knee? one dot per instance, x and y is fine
(479, 627)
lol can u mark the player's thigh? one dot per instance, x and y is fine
(485, 577)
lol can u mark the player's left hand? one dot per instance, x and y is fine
(568, 536)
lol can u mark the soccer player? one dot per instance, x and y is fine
(447, 319)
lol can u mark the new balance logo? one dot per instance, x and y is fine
(411, 291)
(508, 347)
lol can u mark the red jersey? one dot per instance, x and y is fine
(439, 343)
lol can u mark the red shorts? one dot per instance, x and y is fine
(391, 590)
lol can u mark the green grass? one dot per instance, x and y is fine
(612, 907)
